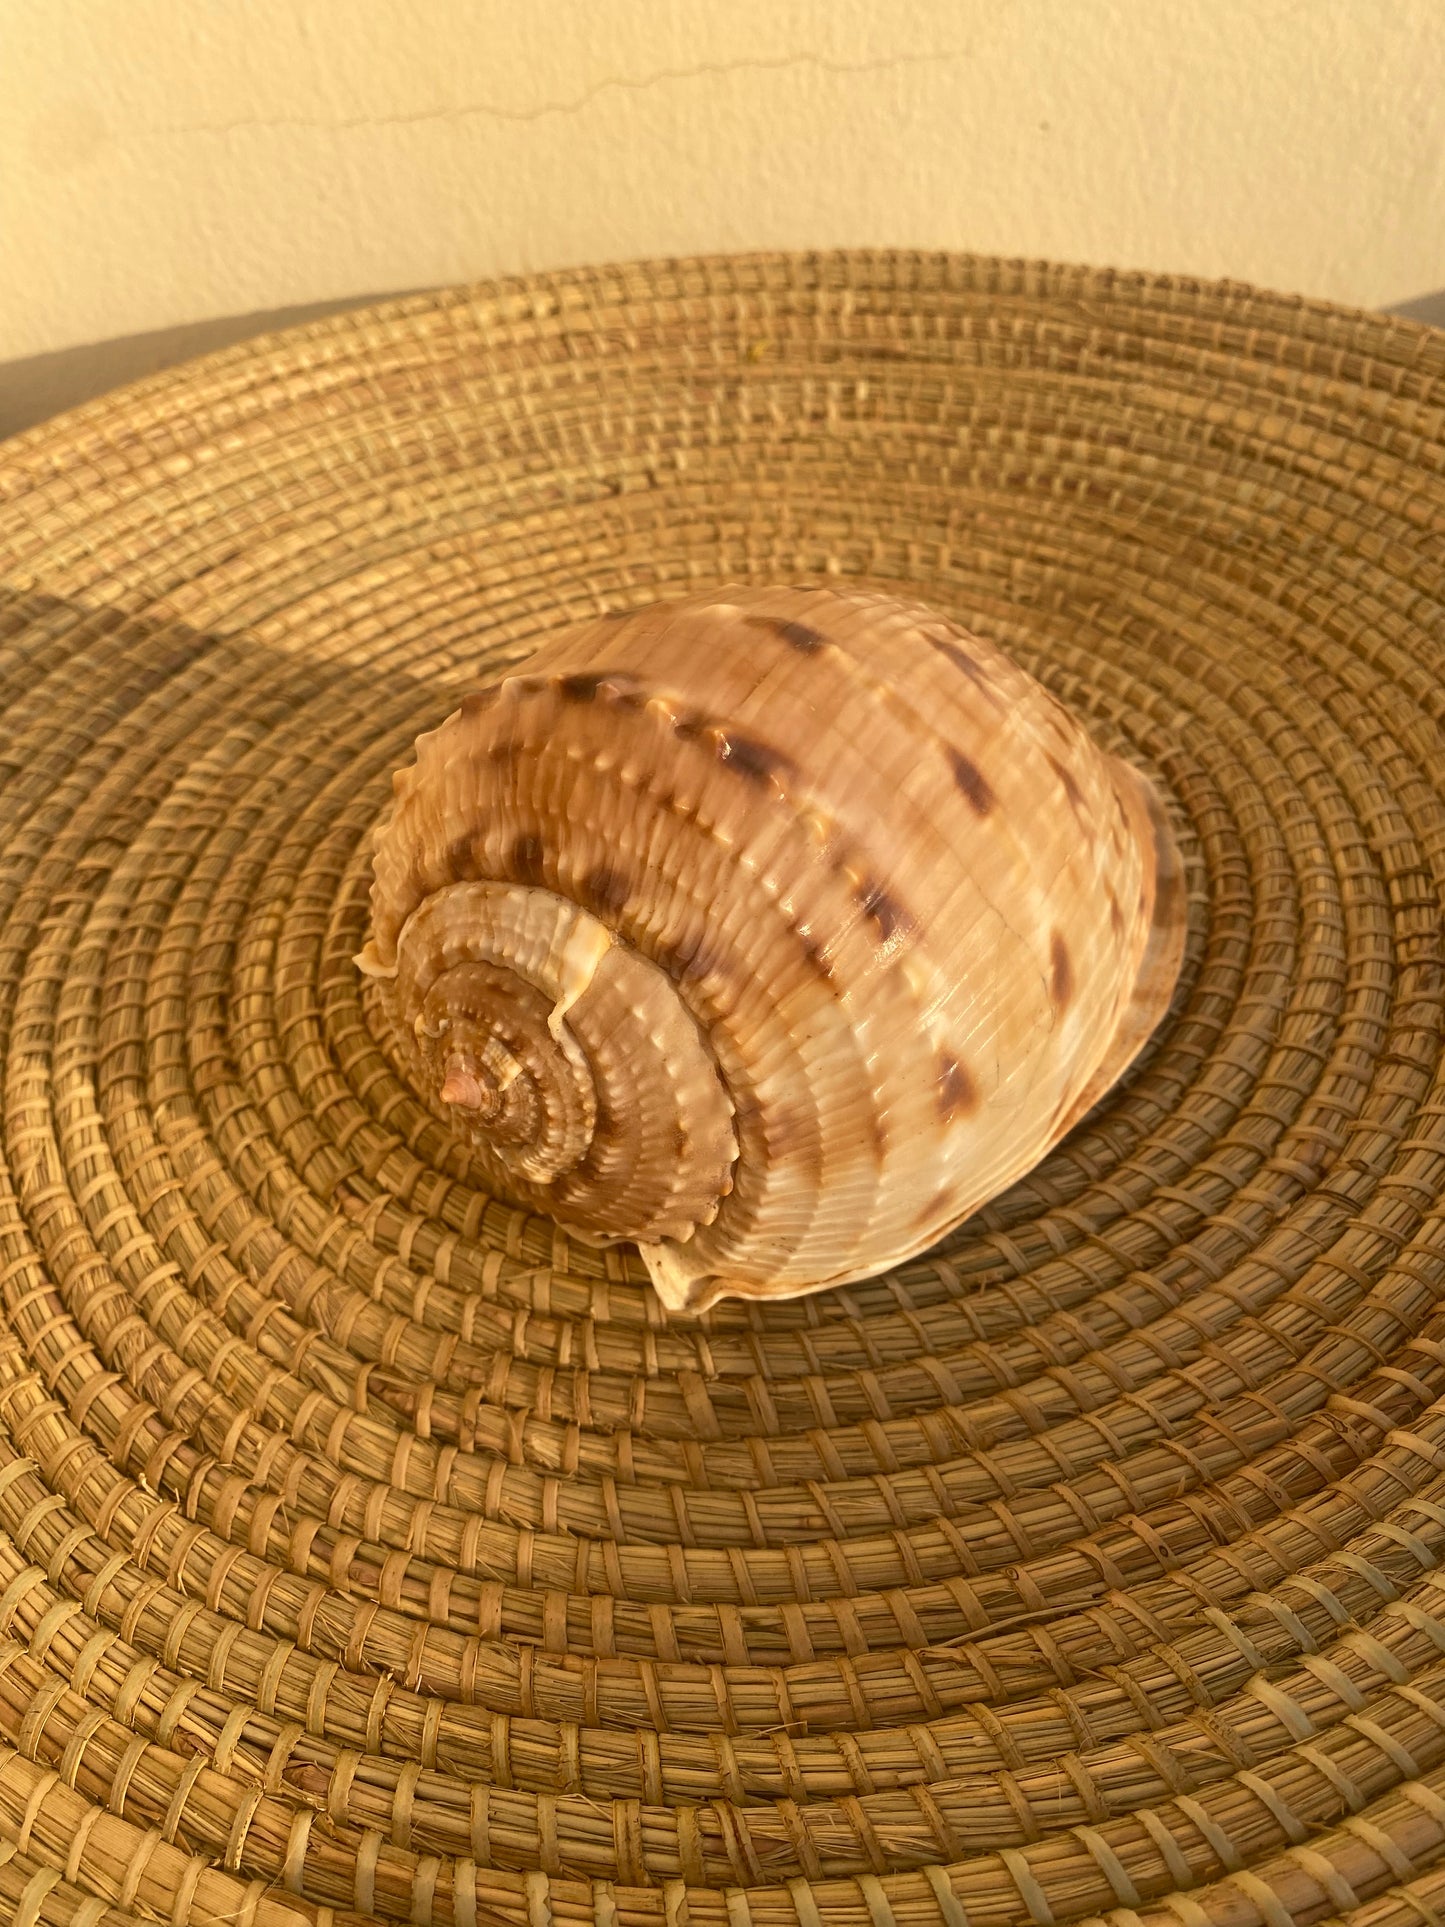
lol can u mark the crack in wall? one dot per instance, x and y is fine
(611, 83)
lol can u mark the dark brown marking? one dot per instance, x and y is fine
(972, 781)
(961, 660)
(957, 1092)
(525, 860)
(817, 956)
(797, 635)
(504, 755)
(604, 1128)
(688, 725)
(613, 685)
(1061, 972)
(459, 862)
(581, 688)
(888, 915)
(787, 1132)
(604, 888)
(587, 1168)
(681, 1142)
(480, 700)
(690, 961)
(756, 761)
(1071, 788)
(1116, 916)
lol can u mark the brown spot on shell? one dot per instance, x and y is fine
(1061, 972)
(525, 858)
(586, 1170)
(605, 888)
(817, 956)
(965, 663)
(480, 700)
(957, 1092)
(617, 686)
(460, 861)
(973, 783)
(875, 902)
(582, 687)
(797, 635)
(1071, 787)
(1116, 916)
(691, 960)
(758, 762)
(787, 1131)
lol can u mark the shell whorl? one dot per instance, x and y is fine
(776, 930)
(566, 1057)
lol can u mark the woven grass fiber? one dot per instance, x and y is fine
(369, 1551)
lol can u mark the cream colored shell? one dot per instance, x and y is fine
(775, 929)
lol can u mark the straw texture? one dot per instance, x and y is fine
(370, 1551)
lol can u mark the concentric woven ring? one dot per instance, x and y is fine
(369, 1551)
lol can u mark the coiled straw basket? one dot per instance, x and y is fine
(369, 1551)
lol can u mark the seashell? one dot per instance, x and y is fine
(776, 930)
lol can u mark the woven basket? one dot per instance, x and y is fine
(369, 1550)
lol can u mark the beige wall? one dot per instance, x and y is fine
(168, 161)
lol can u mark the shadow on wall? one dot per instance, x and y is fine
(40, 386)
(1429, 307)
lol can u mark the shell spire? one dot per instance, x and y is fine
(775, 930)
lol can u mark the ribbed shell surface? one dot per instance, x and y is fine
(916, 919)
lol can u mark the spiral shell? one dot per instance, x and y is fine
(774, 929)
